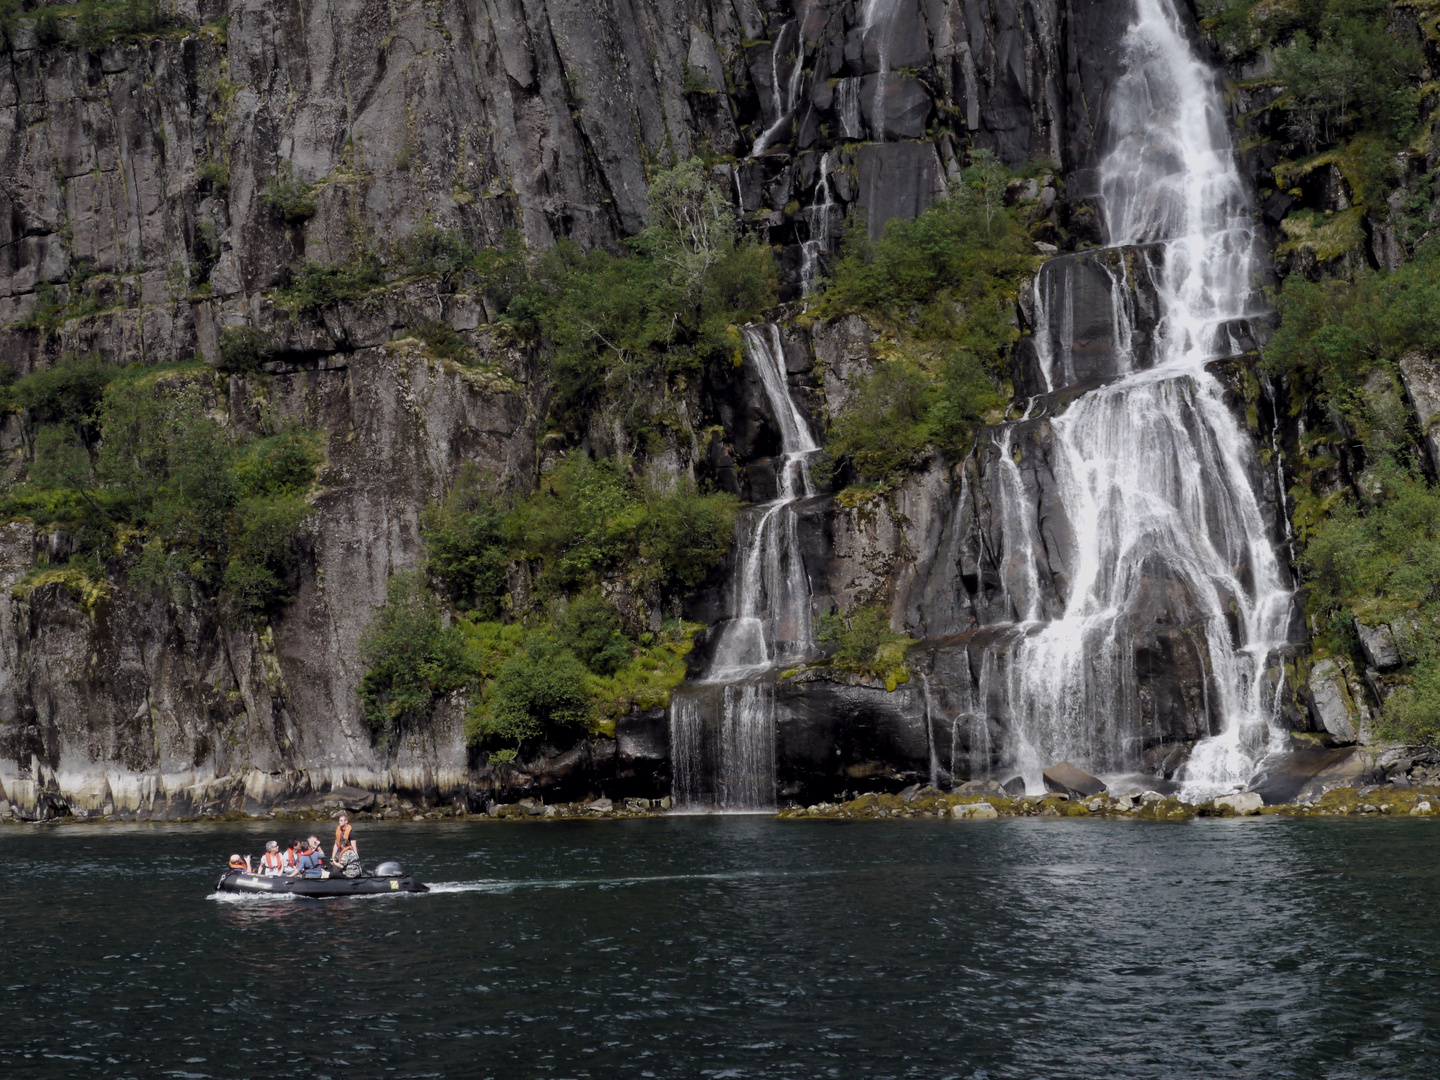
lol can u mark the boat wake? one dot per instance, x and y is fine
(499, 885)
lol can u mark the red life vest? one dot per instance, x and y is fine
(273, 861)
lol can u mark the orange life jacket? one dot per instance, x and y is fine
(342, 836)
(272, 861)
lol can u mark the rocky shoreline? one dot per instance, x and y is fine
(1383, 800)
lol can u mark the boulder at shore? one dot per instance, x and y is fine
(1072, 781)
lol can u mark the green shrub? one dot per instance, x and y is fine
(48, 30)
(542, 689)
(134, 453)
(464, 536)
(243, 348)
(589, 520)
(214, 172)
(863, 642)
(883, 426)
(442, 340)
(896, 412)
(589, 626)
(293, 200)
(1333, 333)
(321, 285)
(410, 657)
(621, 326)
(948, 274)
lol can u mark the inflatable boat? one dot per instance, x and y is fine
(387, 878)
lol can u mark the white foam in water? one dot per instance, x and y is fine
(1153, 469)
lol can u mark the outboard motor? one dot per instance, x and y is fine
(389, 869)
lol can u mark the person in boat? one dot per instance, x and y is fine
(312, 860)
(344, 835)
(292, 858)
(348, 864)
(272, 863)
(240, 865)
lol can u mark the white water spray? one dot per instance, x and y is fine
(770, 623)
(1152, 470)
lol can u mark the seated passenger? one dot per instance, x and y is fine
(291, 857)
(349, 862)
(240, 865)
(272, 863)
(312, 861)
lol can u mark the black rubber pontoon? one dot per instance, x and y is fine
(237, 881)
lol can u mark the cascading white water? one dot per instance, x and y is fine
(784, 98)
(819, 216)
(877, 20)
(847, 105)
(1152, 469)
(770, 622)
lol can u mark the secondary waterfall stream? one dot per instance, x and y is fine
(1152, 469)
(769, 623)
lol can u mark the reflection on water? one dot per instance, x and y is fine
(741, 947)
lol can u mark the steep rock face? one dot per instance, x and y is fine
(142, 175)
(143, 210)
(153, 704)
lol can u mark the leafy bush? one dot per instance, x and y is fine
(590, 520)
(411, 658)
(321, 285)
(293, 200)
(464, 536)
(622, 325)
(541, 689)
(948, 274)
(134, 453)
(1345, 64)
(1333, 333)
(243, 348)
(863, 642)
(589, 626)
(442, 341)
(214, 172)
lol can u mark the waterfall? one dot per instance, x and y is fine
(784, 99)
(847, 104)
(1152, 470)
(878, 18)
(818, 216)
(770, 621)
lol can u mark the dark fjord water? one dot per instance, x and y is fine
(739, 947)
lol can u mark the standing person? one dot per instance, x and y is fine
(344, 836)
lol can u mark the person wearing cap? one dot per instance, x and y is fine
(344, 836)
(239, 864)
(272, 863)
